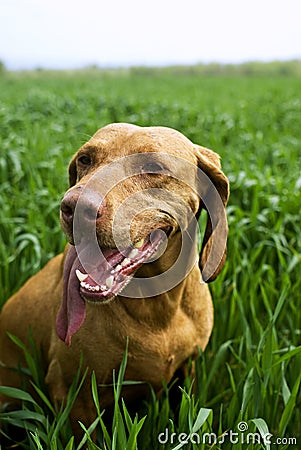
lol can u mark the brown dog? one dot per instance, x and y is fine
(131, 209)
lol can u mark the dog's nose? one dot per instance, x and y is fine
(88, 206)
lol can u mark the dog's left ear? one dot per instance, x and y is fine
(213, 188)
(72, 171)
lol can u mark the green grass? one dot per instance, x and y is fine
(251, 368)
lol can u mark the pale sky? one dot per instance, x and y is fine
(71, 34)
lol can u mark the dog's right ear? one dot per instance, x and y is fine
(214, 193)
(72, 171)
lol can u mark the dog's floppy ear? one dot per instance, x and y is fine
(213, 187)
(72, 171)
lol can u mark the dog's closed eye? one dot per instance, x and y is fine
(84, 160)
(153, 167)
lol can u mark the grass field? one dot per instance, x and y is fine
(250, 373)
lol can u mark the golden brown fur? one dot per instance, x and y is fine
(163, 331)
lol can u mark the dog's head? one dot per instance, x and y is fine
(135, 196)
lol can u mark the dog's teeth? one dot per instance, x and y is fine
(119, 266)
(139, 243)
(81, 276)
(90, 288)
(124, 263)
(133, 253)
(109, 281)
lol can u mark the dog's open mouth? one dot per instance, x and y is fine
(117, 268)
(102, 282)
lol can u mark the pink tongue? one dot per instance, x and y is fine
(72, 312)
